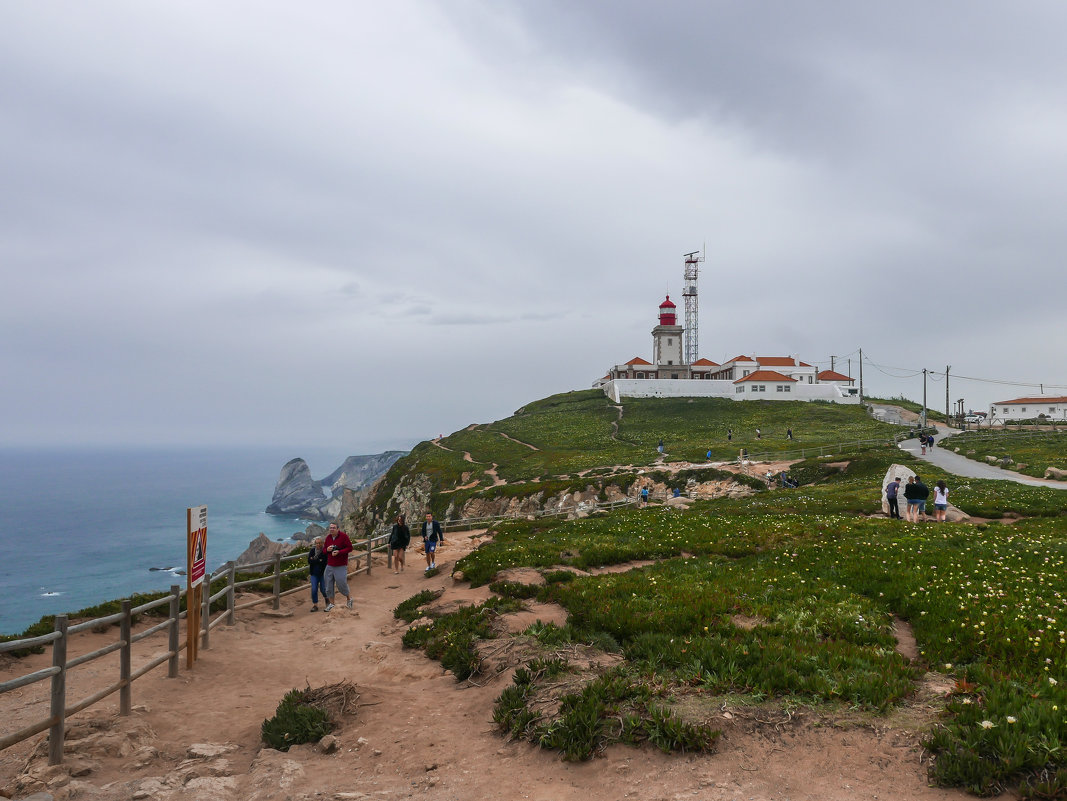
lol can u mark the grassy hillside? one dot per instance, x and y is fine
(556, 438)
(789, 598)
(1031, 452)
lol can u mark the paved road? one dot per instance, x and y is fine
(944, 458)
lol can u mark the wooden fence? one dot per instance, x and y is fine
(60, 710)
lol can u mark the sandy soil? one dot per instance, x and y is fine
(427, 736)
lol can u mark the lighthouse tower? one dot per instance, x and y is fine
(667, 345)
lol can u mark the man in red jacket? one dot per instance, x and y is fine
(337, 547)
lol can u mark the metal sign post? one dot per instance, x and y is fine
(196, 562)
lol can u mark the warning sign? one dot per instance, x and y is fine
(197, 561)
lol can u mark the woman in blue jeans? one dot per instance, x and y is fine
(317, 568)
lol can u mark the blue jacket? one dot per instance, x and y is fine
(433, 535)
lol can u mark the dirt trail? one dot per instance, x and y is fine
(519, 441)
(428, 736)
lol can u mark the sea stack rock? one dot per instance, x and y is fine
(261, 549)
(296, 494)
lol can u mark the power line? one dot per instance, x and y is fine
(935, 376)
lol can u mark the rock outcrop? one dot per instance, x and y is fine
(261, 549)
(1056, 473)
(297, 494)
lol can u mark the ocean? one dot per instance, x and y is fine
(78, 527)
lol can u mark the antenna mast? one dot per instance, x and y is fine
(692, 326)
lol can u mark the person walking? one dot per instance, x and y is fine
(891, 490)
(399, 539)
(922, 492)
(644, 496)
(432, 537)
(758, 434)
(940, 501)
(316, 570)
(660, 446)
(729, 435)
(337, 547)
(789, 434)
(922, 443)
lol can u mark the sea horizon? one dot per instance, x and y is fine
(84, 525)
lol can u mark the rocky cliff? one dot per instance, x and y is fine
(297, 494)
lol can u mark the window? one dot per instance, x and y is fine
(746, 372)
(809, 379)
(674, 375)
(787, 388)
(669, 340)
(1051, 409)
(739, 390)
(1022, 409)
(670, 361)
(780, 388)
(640, 375)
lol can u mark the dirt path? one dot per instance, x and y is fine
(427, 736)
(519, 441)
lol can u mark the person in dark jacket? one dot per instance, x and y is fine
(891, 490)
(922, 492)
(909, 496)
(432, 536)
(399, 539)
(317, 570)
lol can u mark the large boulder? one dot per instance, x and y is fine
(903, 473)
(262, 549)
(1056, 473)
(296, 494)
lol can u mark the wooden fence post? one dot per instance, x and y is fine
(175, 600)
(369, 539)
(59, 693)
(277, 581)
(205, 614)
(230, 594)
(124, 657)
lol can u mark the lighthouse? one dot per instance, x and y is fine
(667, 345)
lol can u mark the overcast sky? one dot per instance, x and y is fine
(358, 225)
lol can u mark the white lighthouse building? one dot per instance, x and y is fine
(740, 378)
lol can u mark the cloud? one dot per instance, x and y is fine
(313, 212)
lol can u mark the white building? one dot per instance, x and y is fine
(740, 378)
(1052, 407)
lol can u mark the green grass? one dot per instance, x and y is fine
(987, 605)
(572, 433)
(1036, 451)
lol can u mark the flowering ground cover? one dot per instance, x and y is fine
(987, 604)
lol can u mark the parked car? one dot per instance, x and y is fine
(972, 418)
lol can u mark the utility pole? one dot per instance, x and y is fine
(861, 375)
(924, 397)
(832, 363)
(947, 368)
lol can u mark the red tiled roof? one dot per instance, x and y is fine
(704, 363)
(776, 361)
(765, 375)
(1038, 400)
(739, 359)
(831, 375)
(803, 364)
(638, 360)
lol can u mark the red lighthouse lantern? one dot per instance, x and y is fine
(667, 312)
